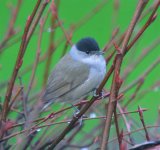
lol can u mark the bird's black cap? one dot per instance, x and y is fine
(87, 45)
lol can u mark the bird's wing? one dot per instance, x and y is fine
(64, 78)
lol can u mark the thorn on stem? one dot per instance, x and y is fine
(19, 64)
(119, 81)
(140, 112)
(154, 17)
(54, 9)
(51, 115)
(29, 18)
(120, 96)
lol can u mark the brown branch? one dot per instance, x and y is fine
(38, 52)
(144, 53)
(25, 39)
(15, 97)
(51, 47)
(119, 83)
(109, 44)
(116, 6)
(75, 26)
(50, 116)
(18, 62)
(55, 13)
(141, 81)
(144, 92)
(142, 77)
(36, 20)
(119, 58)
(62, 122)
(69, 140)
(117, 127)
(66, 44)
(148, 10)
(147, 24)
(110, 56)
(126, 122)
(157, 123)
(134, 131)
(10, 28)
(11, 43)
(22, 99)
(143, 123)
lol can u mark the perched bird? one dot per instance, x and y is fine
(77, 74)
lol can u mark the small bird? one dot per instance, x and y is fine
(77, 74)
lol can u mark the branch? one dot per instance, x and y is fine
(143, 123)
(11, 31)
(34, 67)
(118, 62)
(62, 122)
(23, 46)
(142, 77)
(51, 47)
(18, 62)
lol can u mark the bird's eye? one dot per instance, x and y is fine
(87, 52)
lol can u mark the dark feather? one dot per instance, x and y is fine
(87, 45)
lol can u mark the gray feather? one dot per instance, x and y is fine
(65, 79)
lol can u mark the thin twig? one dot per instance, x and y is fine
(142, 77)
(76, 26)
(119, 58)
(62, 122)
(134, 131)
(144, 53)
(10, 28)
(143, 123)
(18, 62)
(135, 93)
(15, 97)
(51, 47)
(126, 122)
(55, 13)
(36, 61)
(146, 25)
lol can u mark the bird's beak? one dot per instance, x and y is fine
(98, 52)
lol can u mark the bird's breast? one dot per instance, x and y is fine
(96, 76)
(98, 66)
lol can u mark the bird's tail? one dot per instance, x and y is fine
(40, 107)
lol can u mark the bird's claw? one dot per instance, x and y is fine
(100, 95)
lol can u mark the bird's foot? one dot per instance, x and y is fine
(100, 95)
(80, 120)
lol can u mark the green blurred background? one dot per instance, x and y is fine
(100, 26)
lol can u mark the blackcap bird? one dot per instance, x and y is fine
(77, 74)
